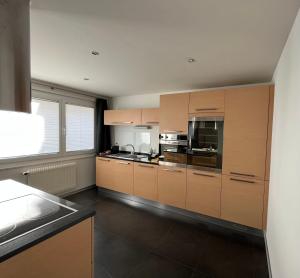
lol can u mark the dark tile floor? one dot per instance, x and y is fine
(133, 242)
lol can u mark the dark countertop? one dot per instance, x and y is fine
(154, 161)
(10, 189)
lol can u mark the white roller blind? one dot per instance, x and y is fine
(30, 134)
(80, 125)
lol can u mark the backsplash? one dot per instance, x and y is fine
(143, 139)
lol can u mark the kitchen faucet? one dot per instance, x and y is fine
(133, 149)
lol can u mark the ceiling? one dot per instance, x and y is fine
(144, 44)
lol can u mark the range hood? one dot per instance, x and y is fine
(15, 77)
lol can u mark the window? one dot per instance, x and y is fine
(80, 127)
(30, 134)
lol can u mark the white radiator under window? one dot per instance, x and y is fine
(53, 178)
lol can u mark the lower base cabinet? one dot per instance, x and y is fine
(145, 181)
(172, 186)
(68, 254)
(242, 201)
(123, 176)
(104, 173)
(204, 192)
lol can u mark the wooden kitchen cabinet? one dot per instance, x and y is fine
(123, 117)
(246, 131)
(174, 113)
(266, 202)
(68, 254)
(242, 201)
(204, 192)
(104, 172)
(145, 181)
(207, 101)
(172, 186)
(150, 116)
(123, 176)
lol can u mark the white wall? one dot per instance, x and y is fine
(283, 228)
(142, 139)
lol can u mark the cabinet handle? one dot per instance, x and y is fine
(172, 170)
(152, 122)
(203, 109)
(146, 166)
(106, 160)
(125, 163)
(242, 180)
(122, 122)
(205, 175)
(173, 131)
(241, 174)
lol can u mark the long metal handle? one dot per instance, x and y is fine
(241, 174)
(146, 166)
(152, 122)
(173, 131)
(122, 122)
(125, 163)
(204, 109)
(172, 170)
(204, 175)
(242, 180)
(102, 159)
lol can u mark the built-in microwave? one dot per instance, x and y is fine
(205, 141)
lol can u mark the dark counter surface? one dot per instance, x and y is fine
(10, 190)
(154, 161)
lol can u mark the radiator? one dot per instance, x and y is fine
(54, 178)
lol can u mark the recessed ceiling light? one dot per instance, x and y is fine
(191, 60)
(86, 79)
(94, 52)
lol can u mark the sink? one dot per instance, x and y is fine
(127, 156)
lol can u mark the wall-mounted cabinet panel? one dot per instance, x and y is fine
(150, 116)
(172, 186)
(245, 131)
(242, 201)
(123, 176)
(104, 172)
(206, 102)
(203, 192)
(145, 181)
(123, 117)
(174, 113)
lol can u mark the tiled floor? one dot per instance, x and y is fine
(133, 242)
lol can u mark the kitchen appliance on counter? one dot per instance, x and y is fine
(173, 148)
(205, 142)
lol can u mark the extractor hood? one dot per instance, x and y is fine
(15, 77)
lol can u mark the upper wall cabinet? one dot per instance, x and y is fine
(174, 113)
(123, 117)
(150, 116)
(246, 131)
(206, 102)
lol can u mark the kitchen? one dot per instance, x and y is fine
(141, 156)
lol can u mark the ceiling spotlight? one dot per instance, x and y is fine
(191, 60)
(94, 52)
(86, 79)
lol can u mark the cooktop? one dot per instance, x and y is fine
(22, 215)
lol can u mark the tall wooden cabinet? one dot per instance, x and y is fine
(174, 113)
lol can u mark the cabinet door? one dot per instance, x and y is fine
(245, 131)
(266, 201)
(174, 113)
(172, 186)
(104, 172)
(123, 176)
(150, 116)
(206, 102)
(145, 181)
(123, 117)
(203, 192)
(242, 201)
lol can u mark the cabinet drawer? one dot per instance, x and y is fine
(104, 172)
(123, 176)
(206, 102)
(145, 181)
(242, 201)
(172, 186)
(203, 192)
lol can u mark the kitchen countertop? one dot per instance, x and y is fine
(154, 161)
(10, 189)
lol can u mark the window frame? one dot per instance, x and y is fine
(63, 98)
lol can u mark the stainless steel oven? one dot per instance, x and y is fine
(205, 142)
(173, 148)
